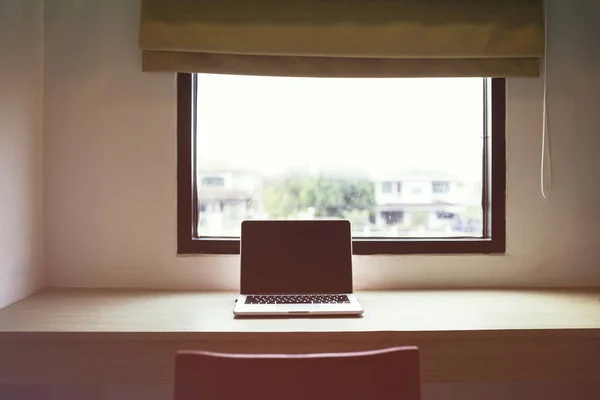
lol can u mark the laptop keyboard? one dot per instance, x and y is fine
(298, 299)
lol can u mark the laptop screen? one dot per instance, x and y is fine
(296, 257)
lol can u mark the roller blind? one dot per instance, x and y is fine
(344, 37)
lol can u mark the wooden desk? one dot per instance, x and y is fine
(464, 336)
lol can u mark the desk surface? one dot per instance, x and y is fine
(141, 311)
(463, 336)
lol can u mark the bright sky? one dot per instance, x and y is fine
(271, 124)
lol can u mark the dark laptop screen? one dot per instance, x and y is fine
(296, 257)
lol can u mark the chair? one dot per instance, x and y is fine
(378, 375)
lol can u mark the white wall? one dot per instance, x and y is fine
(110, 166)
(21, 74)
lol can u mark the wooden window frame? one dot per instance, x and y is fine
(493, 201)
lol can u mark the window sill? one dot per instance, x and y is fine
(470, 335)
(361, 246)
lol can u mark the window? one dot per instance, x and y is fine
(212, 181)
(445, 215)
(392, 217)
(440, 186)
(318, 148)
(386, 187)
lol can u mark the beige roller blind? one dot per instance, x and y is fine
(344, 37)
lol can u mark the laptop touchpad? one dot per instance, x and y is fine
(297, 307)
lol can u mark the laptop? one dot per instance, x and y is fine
(296, 268)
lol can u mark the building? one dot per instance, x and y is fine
(225, 197)
(425, 202)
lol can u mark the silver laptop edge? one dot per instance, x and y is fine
(352, 308)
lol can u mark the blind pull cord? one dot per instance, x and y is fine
(546, 162)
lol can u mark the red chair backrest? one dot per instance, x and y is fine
(378, 375)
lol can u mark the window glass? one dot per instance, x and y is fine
(396, 157)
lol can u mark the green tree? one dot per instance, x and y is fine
(328, 196)
(358, 218)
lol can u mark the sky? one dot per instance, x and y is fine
(369, 126)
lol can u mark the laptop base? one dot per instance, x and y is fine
(321, 309)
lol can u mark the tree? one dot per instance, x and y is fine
(358, 218)
(327, 196)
